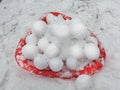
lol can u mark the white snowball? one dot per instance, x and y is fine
(81, 42)
(60, 30)
(55, 40)
(64, 51)
(91, 51)
(31, 39)
(76, 51)
(64, 54)
(79, 31)
(84, 82)
(40, 62)
(29, 51)
(56, 64)
(39, 28)
(71, 63)
(43, 44)
(51, 19)
(52, 50)
(92, 40)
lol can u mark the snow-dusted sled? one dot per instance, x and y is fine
(89, 69)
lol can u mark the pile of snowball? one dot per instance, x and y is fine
(60, 44)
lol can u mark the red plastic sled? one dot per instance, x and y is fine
(89, 69)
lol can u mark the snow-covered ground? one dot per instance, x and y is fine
(101, 16)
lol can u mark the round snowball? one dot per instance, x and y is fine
(71, 63)
(64, 54)
(40, 62)
(60, 30)
(56, 64)
(91, 51)
(43, 44)
(76, 51)
(29, 51)
(79, 31)
(55, 40)
(39, 28)
(52, 50)
(84, 82)
(31, 39)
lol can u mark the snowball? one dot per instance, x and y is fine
(79, 31)
(40, 62)
(84, 82)
(43, 44)
(39, 28)
(53, 39)
(64, 54)
(29, 51)
(31, 39)
(64, 51)
(51, 19)
(91, 51)
(71, 63)
(60, 30)
(92, 40)
(56, 64)
(76, 51)
(52, 50)
(81, 42)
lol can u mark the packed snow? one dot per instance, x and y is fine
(40, 61)
(100, 17)
(60, 30)
(52, 50)
(56, 64)
(29, 51)
(78, 30)
(31, 39)
(91, 51)
(39, 28)
(43, 44)
(84, 82)
(78, 50)
(71, 63)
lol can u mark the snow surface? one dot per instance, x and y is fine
(84, 82)
(91, 51)
(100, 16)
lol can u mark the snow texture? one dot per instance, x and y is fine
(84, 82)
(31, 39)
(100, 16)
(56, 64)
(29, 51)
(40, 61)
(39, 28)
(91, 51)
(71, 63)
(43, 44)
(52, 50)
